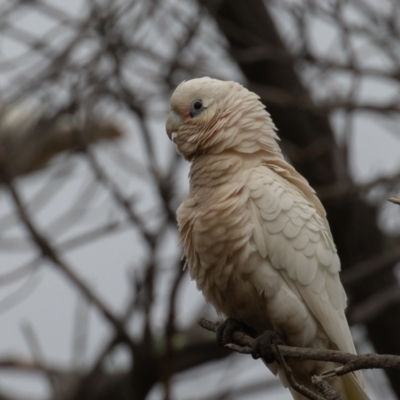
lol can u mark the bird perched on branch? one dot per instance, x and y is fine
(254, 233)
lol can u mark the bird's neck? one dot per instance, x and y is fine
(215, 170)
(209, 172)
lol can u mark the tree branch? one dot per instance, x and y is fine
(243, 343)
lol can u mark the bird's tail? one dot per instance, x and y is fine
(353, 384)
(349, 387)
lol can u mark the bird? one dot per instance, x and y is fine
(254, 234)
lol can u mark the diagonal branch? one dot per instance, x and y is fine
(289, 376)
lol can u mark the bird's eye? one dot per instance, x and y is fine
(196, 108)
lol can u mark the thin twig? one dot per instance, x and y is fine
(324, 388)
(289, 376)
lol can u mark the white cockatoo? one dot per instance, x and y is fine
(254, 234)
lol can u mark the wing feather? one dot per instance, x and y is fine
(296, 238)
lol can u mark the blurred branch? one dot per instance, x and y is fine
(285, 98)
(35, 348)
(29, 366)
(49, 252)
(262, 53)
(395, 200)
(355, 274)
(119, 198)
(29, 141)
(20, 294)
(374, 305)
(170, 330)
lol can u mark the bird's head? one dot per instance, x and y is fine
(209, 116)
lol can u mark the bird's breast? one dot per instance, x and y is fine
(216, 232)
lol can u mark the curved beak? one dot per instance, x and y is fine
(174, 121)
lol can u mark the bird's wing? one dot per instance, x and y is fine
(295, 237)
(289, 231)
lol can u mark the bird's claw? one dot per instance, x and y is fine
(225, 330)
(263, 346)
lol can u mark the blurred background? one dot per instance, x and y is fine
(93, 300)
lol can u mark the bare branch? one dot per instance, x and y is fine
(289, 376)
(324, 388)
(351, 362)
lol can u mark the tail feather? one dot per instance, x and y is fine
(354, 387)
(349, 387)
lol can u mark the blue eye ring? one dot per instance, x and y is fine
(196, 108)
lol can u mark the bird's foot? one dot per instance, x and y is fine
(263, 346)
(225, 330)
